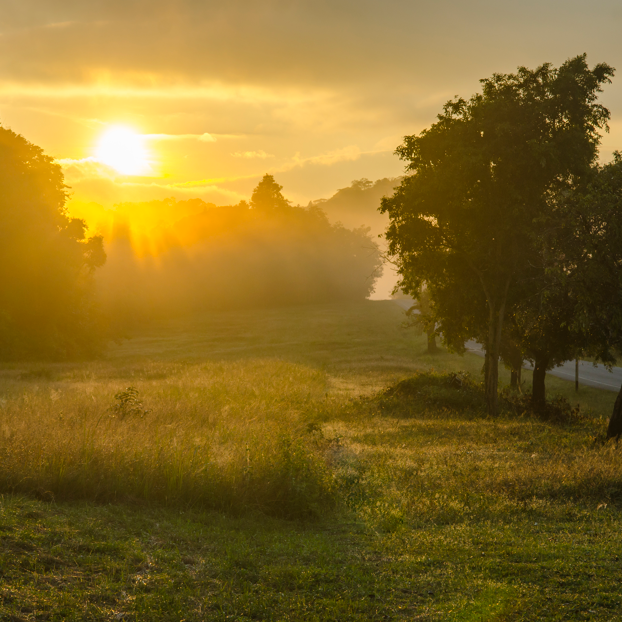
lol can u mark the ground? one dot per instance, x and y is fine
(263, 473)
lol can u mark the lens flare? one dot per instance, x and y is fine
(124, 150)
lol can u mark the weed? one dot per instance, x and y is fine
(128, 404)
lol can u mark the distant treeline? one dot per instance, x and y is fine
(62, 295)
(266, 252)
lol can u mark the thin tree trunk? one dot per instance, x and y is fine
(493, 350)
(492, 385)
(615, 423)
(538, 395)
(514, 380)
(432, 349)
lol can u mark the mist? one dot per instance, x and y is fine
(174, 257)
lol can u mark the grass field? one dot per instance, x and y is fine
(262, 471)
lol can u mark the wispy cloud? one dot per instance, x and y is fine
(261, 154)
(204, 138)
(86, 168)
(346, 154)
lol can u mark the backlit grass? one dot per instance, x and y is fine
(224, 435)
(274, 477)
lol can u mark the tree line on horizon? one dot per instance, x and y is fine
(66, 293)
(265, 252)
(511, 229)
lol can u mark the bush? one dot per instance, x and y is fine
(456, 392)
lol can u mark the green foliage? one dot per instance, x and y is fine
(590, 244)
(46, 260)
(484, 183)
(455, 391)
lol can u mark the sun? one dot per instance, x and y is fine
(124, 150)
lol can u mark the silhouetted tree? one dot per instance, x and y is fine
(592, 246)
(264, 254)
(46, 261)
(267, 196)
(483, 179)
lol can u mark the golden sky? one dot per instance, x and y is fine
(317, 93)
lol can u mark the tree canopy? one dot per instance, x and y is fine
(484, 183)
(590, 244)
(267, 196)
(46, 260)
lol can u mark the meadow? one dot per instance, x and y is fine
(300, 463)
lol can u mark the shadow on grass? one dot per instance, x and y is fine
(456, 393)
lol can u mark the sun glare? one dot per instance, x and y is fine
(124, 150)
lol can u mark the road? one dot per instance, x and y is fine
(589, 374)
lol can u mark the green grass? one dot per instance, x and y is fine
(273, 478)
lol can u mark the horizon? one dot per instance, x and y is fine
(212, 98)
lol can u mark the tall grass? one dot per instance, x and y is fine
(294, 434)
(231, 436)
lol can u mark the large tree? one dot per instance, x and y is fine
(592, 247)
(46, 260)
(482, 181)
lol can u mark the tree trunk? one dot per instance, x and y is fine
(538, 395)
(432, 349)
(493, 350)
(496, 308)
(615, 423)
(515, 380)
(492, 383)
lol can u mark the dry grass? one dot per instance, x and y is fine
(224, 429)
(229, 435)
(439, 512)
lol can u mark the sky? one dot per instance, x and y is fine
(317, 93)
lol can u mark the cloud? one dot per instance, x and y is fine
(92, 168)
(296, 44)
(261, 154)
(346, 154)
(335, 80)
(204, 138)
(109, 191)
(85, 168)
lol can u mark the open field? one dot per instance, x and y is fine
(263, 473)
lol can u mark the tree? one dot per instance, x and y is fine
(421, 316)
(267, 196)
(235, 256)
(544, 331)
(46, 261)
(592, 247)
(483, 179)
